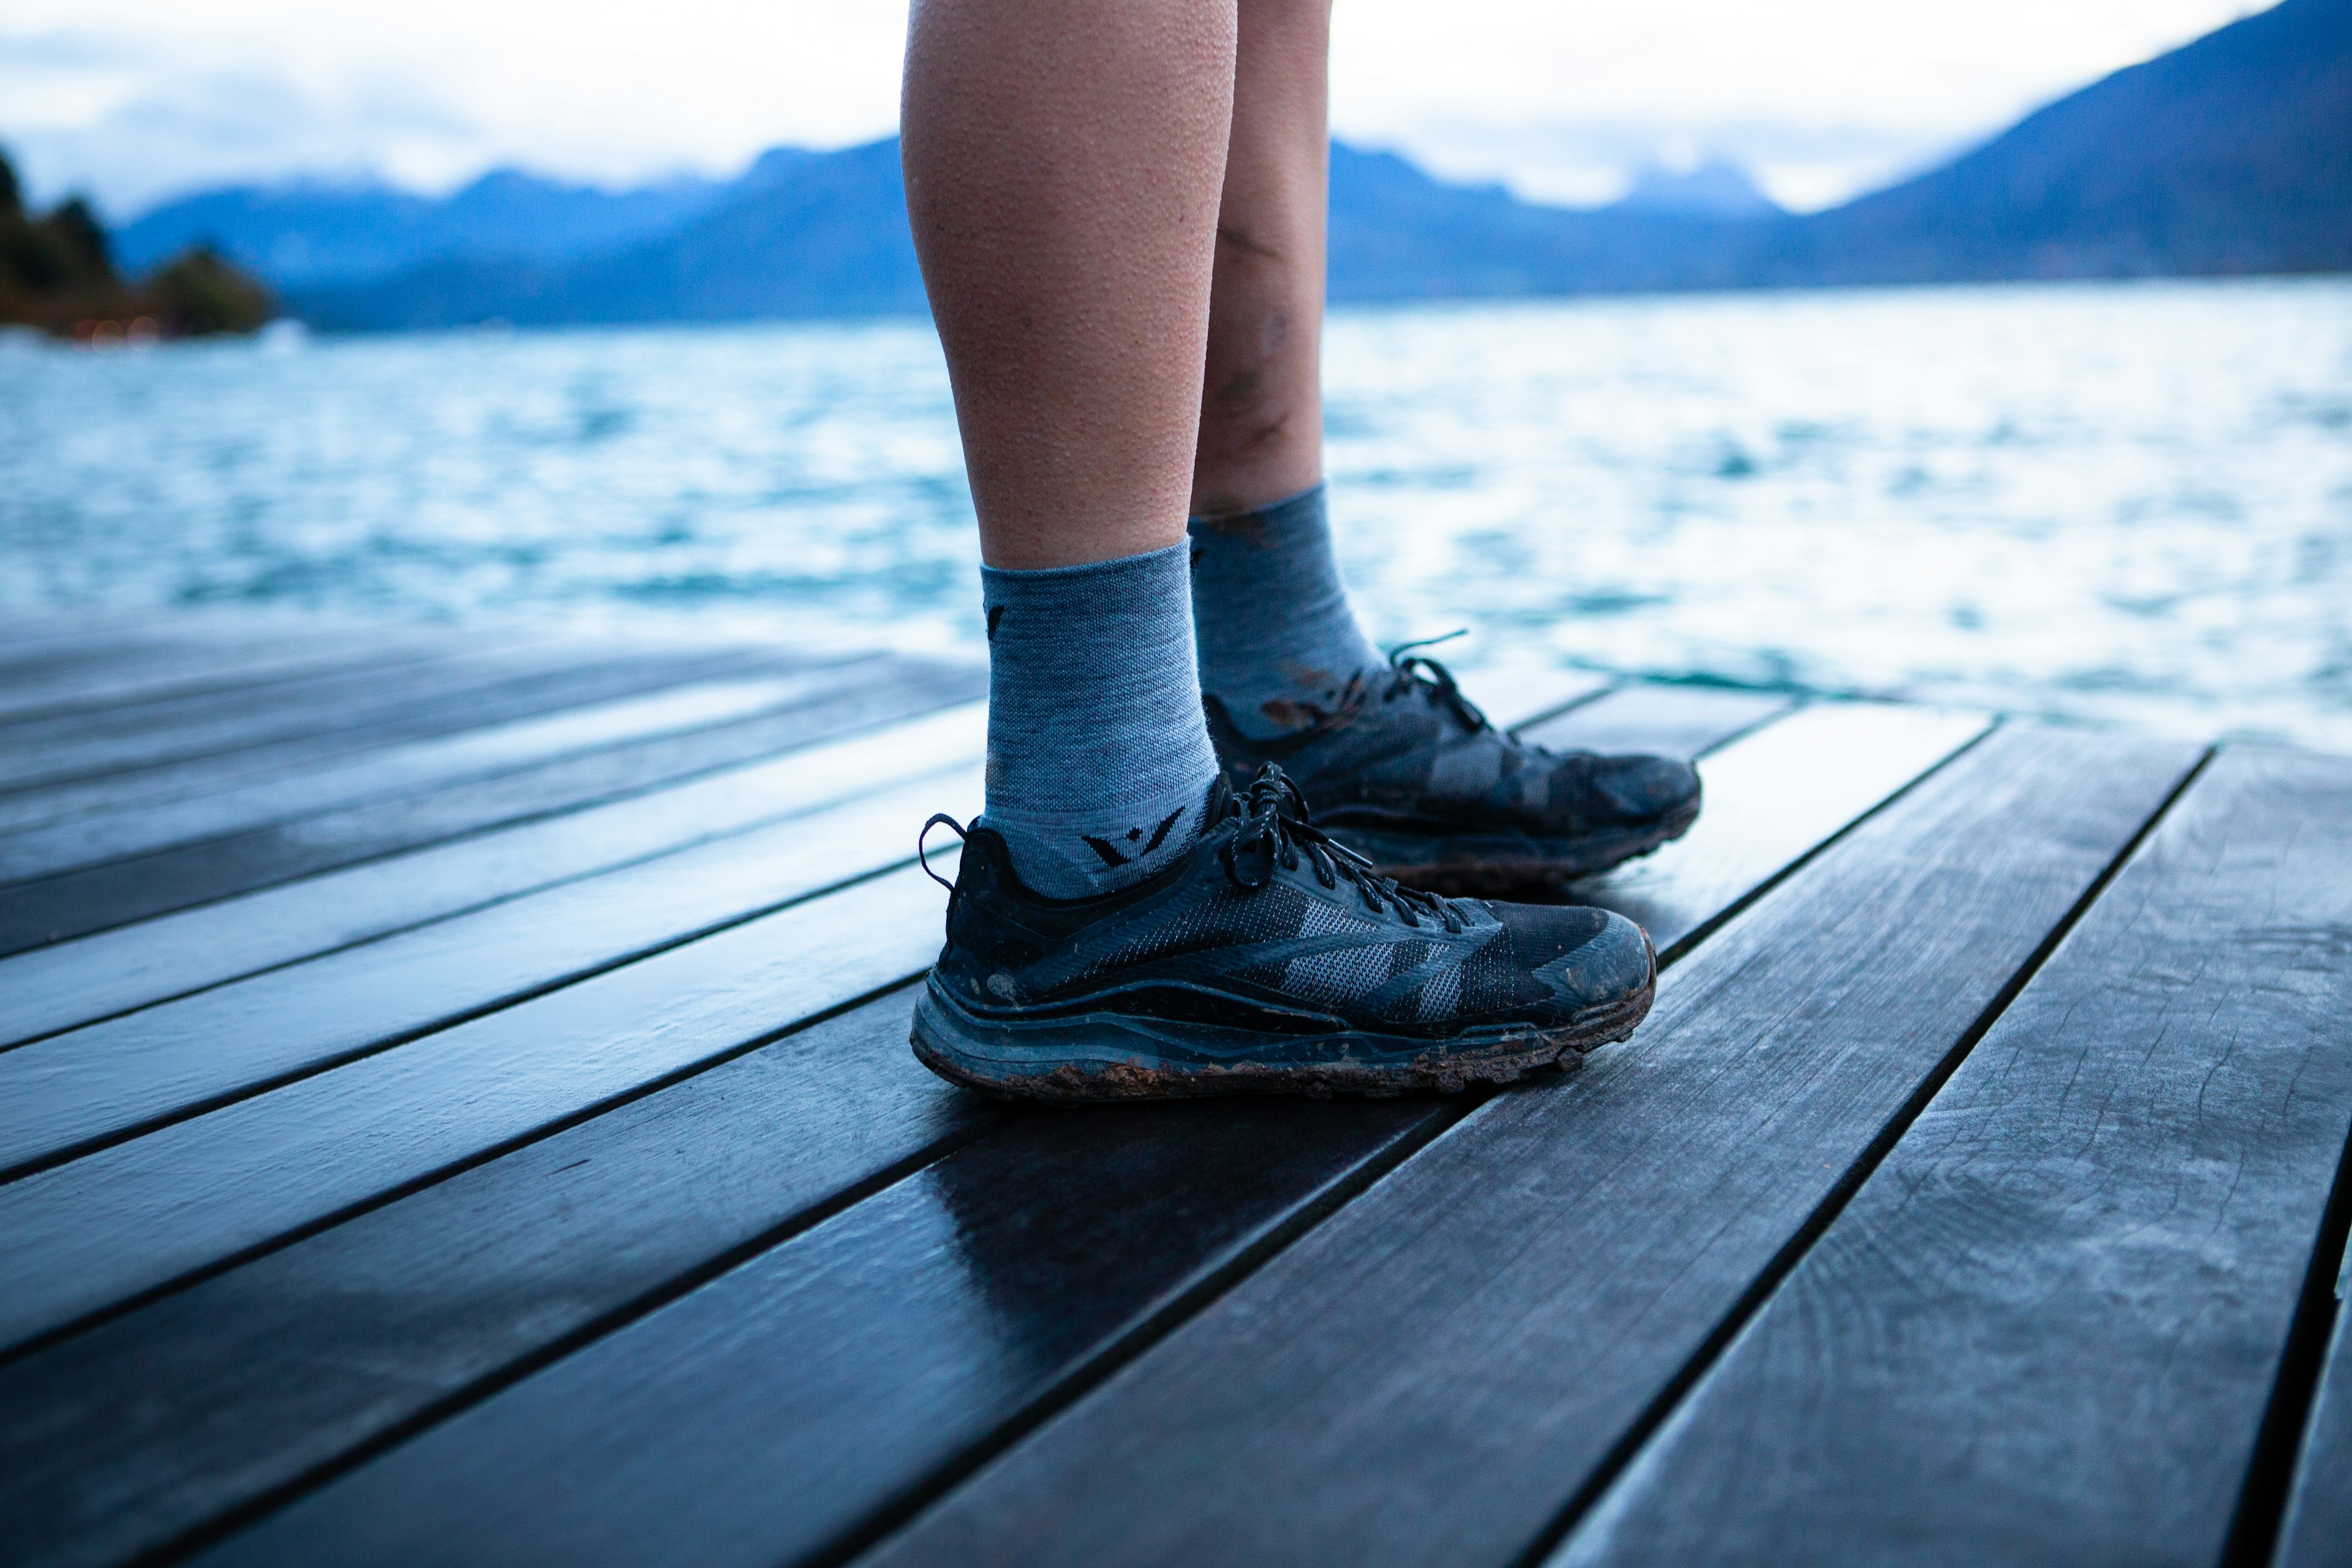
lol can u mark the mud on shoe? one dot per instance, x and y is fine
(1268, 959)
(1406, 772)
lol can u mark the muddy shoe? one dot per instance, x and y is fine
(1407, 773)
(1268, 960)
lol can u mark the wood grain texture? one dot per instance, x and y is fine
(551, 691)
(60, 1094)
(226, 806)
(63, 1094)
(1428, 1377)
(2316, 1531)
(190, 1470)
(81, 677)
(394, 773)
(2046, 1330)
(765, 1415)
(117, 1441)
(47, 634)
(328, 713)
(83, 1236)
(936, 1373)
(98, 976)
(48, 741)
(324, 684)
(117, 1455)
(1773, 795)
(98, 898)
(124, 812)
(1664, 720)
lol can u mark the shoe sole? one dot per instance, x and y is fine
(1093, 1057)
(1473, 865)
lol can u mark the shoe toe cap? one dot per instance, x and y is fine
(1612, 967)
(1644, 789)
(1587, 957)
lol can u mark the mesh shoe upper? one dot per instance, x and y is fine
(1267, 924)
(1413, 750)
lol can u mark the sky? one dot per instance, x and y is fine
(135, 100)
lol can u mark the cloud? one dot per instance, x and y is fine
(160, 131)
(136, 99)
(1581, 162)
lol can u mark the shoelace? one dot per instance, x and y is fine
(1415, 673)
(1275, 831)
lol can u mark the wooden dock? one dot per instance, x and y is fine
(454, 1108)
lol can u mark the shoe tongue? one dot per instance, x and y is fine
(1220, 801)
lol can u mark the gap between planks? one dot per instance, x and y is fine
(1953, 732)
(236, 1277)
(1452, 1354)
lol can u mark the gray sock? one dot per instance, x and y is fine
(1279, 646)
(1098, 759)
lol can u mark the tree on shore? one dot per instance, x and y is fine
(56, 273)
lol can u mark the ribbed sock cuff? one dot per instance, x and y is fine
(1097, 755)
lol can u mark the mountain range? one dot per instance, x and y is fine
(2232, 154)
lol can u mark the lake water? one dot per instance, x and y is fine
(2125, 502)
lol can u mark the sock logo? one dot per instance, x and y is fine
(995, 614)
(1110, 853)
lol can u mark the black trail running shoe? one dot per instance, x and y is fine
(1268, 960)
(1412, 776)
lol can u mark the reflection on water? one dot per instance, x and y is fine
(2129, 501)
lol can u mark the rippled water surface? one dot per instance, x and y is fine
(2128, 503)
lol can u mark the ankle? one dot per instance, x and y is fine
(1098, 757)
(1280, 646)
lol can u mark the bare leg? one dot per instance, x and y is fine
(1261, 402)
(1064, 160)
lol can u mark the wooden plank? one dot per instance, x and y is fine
(191, 634)
(367, 707)
(252, 1409)
(53, 748)
(1773, 795)
(2047, 1328)
(31, 634)
(86, 1236)
(288, 758)
(205, 797)
(43, 849)
(126, 814)
(142, 669)
(1433, 1373)
(806, 1388)
(2318, 1515)
(72, 982)
(71, 1091)
(65, 1095)
(28, 660)
(55, 908)
(904, 1426)
(89, 626)
(241, 1412)
(115, 1442)
(326, 677)
(1666, 720)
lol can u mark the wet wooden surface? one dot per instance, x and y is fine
(455, 1107)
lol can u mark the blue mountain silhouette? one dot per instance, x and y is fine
(312, 233)
(2230, 154)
